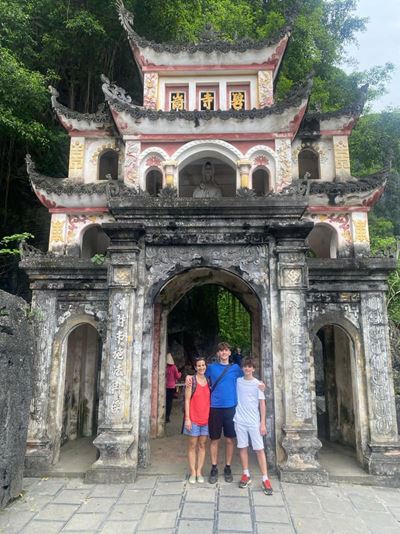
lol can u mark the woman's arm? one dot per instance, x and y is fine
(188, 396)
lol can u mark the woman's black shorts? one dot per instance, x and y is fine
(221, 418)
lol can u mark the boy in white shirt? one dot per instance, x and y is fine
(250, 421)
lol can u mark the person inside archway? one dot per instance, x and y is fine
(197, 410)
(207, 187)
(171, 376)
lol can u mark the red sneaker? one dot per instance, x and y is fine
(266, 487)
(244, 481)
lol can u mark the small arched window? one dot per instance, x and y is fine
(94, 241)
(309, 164)
(322, 240)
(108, 165)
(154, 182)
(261, 182)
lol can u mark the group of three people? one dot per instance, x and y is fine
(224, 397)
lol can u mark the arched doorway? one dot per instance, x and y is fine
(261, 182)
(339, 392)
(75, 394)
(165, 299)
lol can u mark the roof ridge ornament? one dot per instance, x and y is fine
(209, 40)
(113, 91)
(209, 34)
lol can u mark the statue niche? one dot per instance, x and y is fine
(207, 187)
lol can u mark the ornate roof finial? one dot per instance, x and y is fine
(54, 95)
(209, 34)
(113, 91)
(125, 17)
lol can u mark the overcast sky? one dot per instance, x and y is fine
(380, 44)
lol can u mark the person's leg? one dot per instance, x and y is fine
(262, 462)
(214, 444)
(192, 445)
(229, 446)
(244, 459)
(168, 403)
(230, 435)
(215, 428)
(201, 454)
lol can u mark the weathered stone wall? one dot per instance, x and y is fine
(16, 355)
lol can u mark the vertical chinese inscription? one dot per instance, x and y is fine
(342, 157)
(118, 363)
(296, 353)
(76, 155)
(378, 362)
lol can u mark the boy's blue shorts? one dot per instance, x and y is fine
(196, 430)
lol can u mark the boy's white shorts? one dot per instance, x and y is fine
(243, 433)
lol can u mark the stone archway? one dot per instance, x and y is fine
(75, 384)
(340, 405)
(164, 300)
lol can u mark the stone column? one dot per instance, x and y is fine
(244, 166)
(300, 440)
(170, 178)
(39, 450)
(117, 439)
(384, 445)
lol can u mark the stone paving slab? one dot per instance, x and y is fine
(167, 504)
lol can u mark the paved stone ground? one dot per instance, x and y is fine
(166, 504)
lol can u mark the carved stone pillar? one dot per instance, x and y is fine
(384, 445)
(117, 439)
(300, 440)
(244, 166)
(39, 453)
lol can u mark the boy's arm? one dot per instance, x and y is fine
(263, 415)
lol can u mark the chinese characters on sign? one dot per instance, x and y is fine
(207, 100)
(238, 100)
(177, 101)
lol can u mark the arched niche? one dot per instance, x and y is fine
(154, 180)
(94, 241)
(309, 166)
(108, 165)
(261, 181)
(191, 175)
(323, 241)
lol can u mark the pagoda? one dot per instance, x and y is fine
(210, 181)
